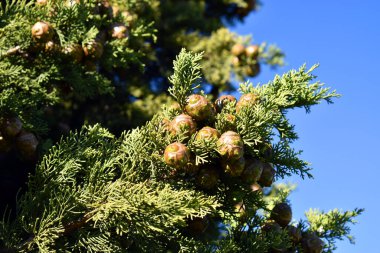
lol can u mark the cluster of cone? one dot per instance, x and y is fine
(280, 218)
(246, 58)
(232, 162)
(46, 40)
(13, 136)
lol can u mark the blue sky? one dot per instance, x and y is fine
(340, 140)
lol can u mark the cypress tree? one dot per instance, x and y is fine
(114, 136)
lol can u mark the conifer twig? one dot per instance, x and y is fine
(15, 50)
(75, 225)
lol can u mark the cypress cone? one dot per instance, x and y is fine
(42, 32)
(237, 49)
(252, 70)
(93, 50)
(119, 31)
(246, 100)
(207, 133)
(177, 155)
(11, 127)
(207, 177)
(199, 107)
(26, 144)
(311, 243)
(229, 121)
(294, 234)
(234, 168)
(267, 175)
(75, 52)
(183, 124)
(223, 101)
(41, 2)
(252, 171)
(230, 146)
(282, 214)
(252, 51)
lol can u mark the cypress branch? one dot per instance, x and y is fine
(186, 76)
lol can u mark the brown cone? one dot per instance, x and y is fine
(207, 133)
(199, 107)
(252, 70)
(252, 171)
(207, 177)
(119, 31)
(234, 168)
(267, 175)
(183, 124)
(177, 155)
(75, 52)
(252, 51)
(282, 214)
(27, 144)
(93, 50)
(294, 234)
(41, 2)
(11, 126)
(42, 32)
(247, 100)
(230, 146)
(311, 243)
(237, 49)
(223, 101)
